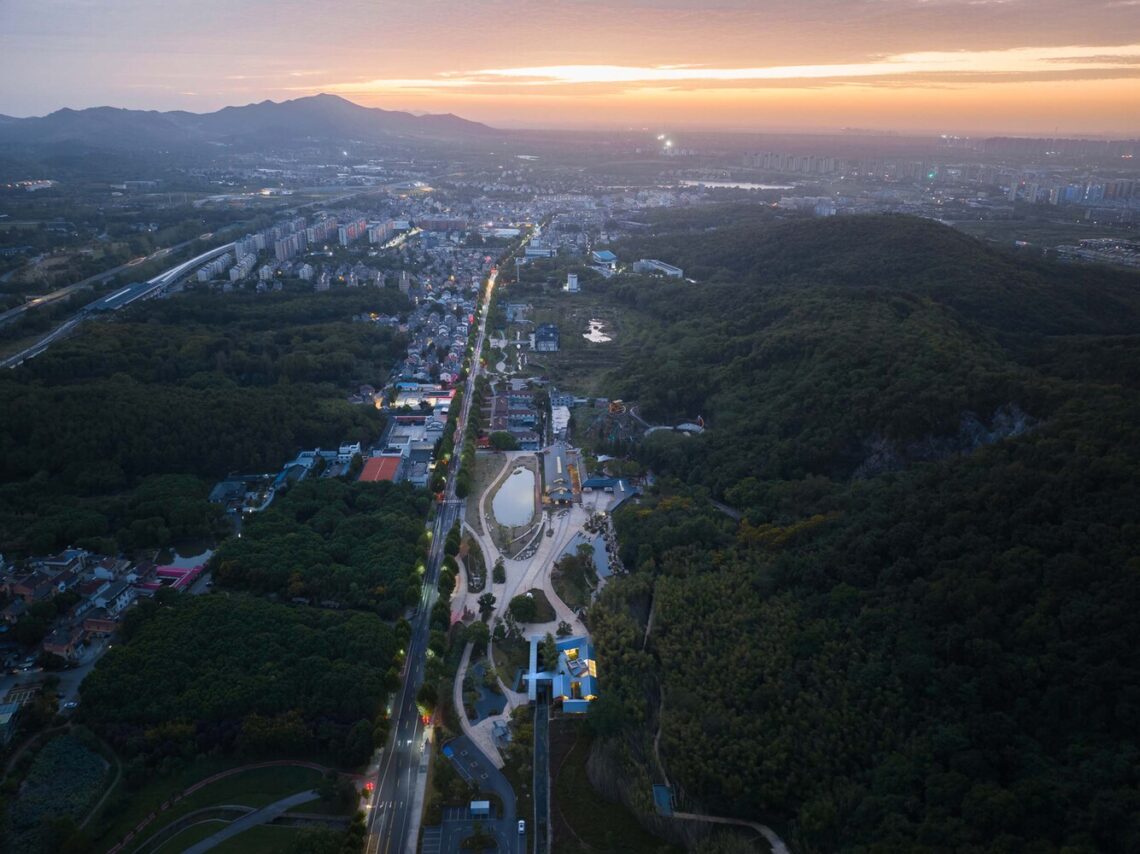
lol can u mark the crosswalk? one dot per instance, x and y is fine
(431, 841)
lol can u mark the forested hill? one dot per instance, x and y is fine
(199, 386)
(819, 347)
(914, 257)
(922, 637)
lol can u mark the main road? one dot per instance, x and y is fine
(161, 281)
(393, 817)
(98, 278)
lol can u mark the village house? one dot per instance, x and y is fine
(66, 642)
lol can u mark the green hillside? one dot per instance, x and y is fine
(921, 637)
(194, 387)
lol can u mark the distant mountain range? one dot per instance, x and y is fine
(314, 118)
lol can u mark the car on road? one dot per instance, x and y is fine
(71, 704)
(522, 825)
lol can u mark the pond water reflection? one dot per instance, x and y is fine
(513, 504)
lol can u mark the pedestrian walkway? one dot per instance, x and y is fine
(262, 816)
(431, 840)
(542, 829)
(479, 735)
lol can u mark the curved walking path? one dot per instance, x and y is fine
(521, 576)
(223, 813)
(778, 846)
(213, 779)
(479, 734)
(459, 593)
(261, 816)
(35, 738)
(94, 811)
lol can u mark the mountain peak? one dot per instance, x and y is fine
(321, 116)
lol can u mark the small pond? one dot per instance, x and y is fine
(185, 556)
(513, 504)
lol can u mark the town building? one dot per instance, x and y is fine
(382, 468)
(659, 268)
(572, 681)
(545, 338)
(605, 258)
(65, 642)
(557, 486)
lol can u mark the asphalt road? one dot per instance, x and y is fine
(61, 331)
(393, 818)
(64, 292)
(64, 329)
(68, 679)
(457, 824)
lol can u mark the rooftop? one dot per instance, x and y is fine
(380, 468)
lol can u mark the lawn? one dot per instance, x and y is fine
(584, 367)
(113, 824)
(192, 834)
(574, 581)
(583, 820)
(487, 468)
(265, 839)
(254, 788)
(472, 554)
(510, 655)
(543, 610)
(323, 807)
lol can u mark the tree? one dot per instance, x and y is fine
(504, 441)
(478, 634)
(51, 661)
(446, 583)
(479, 838)
(452, 543)
(428, 696)
(549, 651)
(564, 629)
(499, 573)
(522, 608)
(487, 604)
(357, 744)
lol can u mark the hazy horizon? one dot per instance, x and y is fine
(672, 126)
(1021, 67)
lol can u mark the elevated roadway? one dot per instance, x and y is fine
(155, 285)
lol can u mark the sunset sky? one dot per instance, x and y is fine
(956, 66)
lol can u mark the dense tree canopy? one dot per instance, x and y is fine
(920, 636)
(235, 673)
(357, 544)
(823, 346)
(199, 385)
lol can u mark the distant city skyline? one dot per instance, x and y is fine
(1032, 67)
